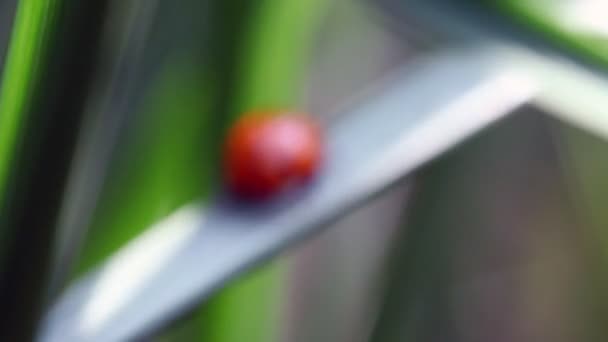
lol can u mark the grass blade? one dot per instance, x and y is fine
(220, 242)
(52, 53)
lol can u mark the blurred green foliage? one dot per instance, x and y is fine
(34, 24)
(546, 17)
(255, 57)
(161, 167)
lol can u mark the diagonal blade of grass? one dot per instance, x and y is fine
(429, 111)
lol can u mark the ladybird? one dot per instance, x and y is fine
(268, 152)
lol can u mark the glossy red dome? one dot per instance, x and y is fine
(266, 153)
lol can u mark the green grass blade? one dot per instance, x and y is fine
(34, 22)
(163, 166)
(47, 77)
(545, 18)
(275, 55)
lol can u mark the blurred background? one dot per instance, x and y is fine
(501, 239)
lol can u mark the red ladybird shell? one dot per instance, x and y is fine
(266, 153)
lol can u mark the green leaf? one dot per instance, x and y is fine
(275, 53)
(166, 162)
(34, 23)
(545, 17)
